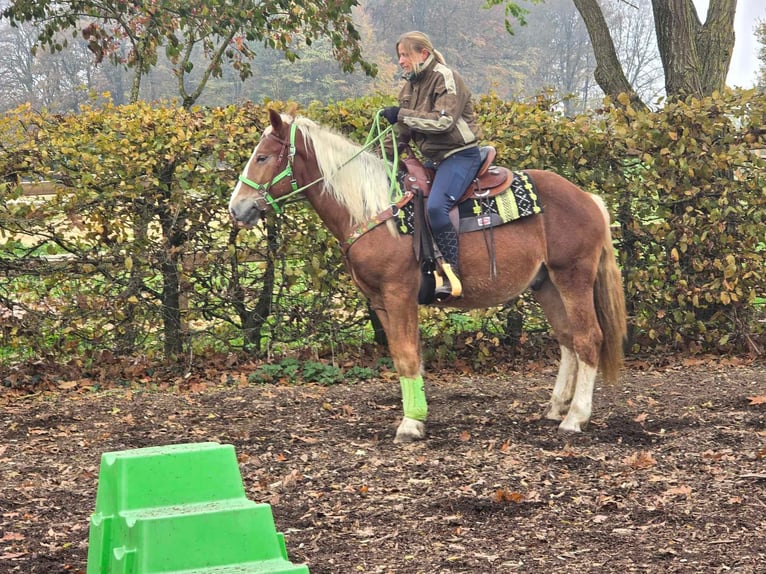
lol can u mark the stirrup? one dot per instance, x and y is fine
(449, 286)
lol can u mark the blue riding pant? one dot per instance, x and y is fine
(452, 178)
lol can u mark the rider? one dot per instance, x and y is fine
(436, 113)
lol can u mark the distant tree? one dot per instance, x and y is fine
(51, 81)
(695, 56)
(133, 33)
(632, 28)
(760, 34)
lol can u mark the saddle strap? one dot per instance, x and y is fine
(489, 242)
(371, 224)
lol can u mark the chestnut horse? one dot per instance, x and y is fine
(566, 251)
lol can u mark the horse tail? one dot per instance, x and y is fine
(609, 300)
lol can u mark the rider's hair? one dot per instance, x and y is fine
(415, 42)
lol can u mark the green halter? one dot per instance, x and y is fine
(287, 172)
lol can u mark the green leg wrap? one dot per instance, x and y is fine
(414, 398)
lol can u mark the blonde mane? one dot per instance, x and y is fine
(358, 181)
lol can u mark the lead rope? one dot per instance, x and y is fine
(377, 134)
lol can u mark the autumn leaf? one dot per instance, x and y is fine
(640, 460)
(760, 400)
(12, 555)
(12, 536)
(502, 495)
(465, 436)
(683, 490)
(307, 440)
(640, 418)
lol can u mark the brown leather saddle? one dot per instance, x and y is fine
(490, 180)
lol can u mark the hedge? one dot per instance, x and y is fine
(134, 254)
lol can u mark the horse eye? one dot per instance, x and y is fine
(261, 158)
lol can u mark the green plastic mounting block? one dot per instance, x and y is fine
(181, 509)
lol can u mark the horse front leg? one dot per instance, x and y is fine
(399, 317)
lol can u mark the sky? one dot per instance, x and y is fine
(743, 70)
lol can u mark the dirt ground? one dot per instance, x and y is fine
(669, 477)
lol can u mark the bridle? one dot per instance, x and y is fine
(264, 188)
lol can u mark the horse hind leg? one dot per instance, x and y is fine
(574, 322)
(581, 407)
(586, 343)
(563, 390)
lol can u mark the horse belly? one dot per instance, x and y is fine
(519, 251)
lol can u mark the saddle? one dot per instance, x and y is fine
(489, 181)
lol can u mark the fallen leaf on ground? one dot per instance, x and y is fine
(502, 495)
(639, 460)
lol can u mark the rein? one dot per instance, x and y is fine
(263, 188)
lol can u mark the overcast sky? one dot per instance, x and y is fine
(744, 62)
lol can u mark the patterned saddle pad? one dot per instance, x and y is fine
(478, 213)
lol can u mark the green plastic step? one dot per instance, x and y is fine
(181, 509)
(167, 475)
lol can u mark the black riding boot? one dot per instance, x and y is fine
(447, 242)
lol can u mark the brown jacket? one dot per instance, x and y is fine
(436, 112)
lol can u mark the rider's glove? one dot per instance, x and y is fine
(391, 114)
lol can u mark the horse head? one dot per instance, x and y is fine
(268, 174)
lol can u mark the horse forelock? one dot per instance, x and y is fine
(356, 180)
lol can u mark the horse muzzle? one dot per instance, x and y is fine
(245, 213)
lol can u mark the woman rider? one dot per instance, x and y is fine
(435, 112)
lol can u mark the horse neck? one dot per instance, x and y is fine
(332, 213)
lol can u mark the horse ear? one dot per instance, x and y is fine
(275, 119)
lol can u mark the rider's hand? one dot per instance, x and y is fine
(391, 114)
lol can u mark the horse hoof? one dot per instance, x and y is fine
(568, 427)
(552, 415)
(410, 430)
(556, 410)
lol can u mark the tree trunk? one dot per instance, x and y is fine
(695, 57)
(716, 42)
(172, 233)
(379, 333)
(253, 320)
(171, 308)
(609, 73)
(677, 26)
